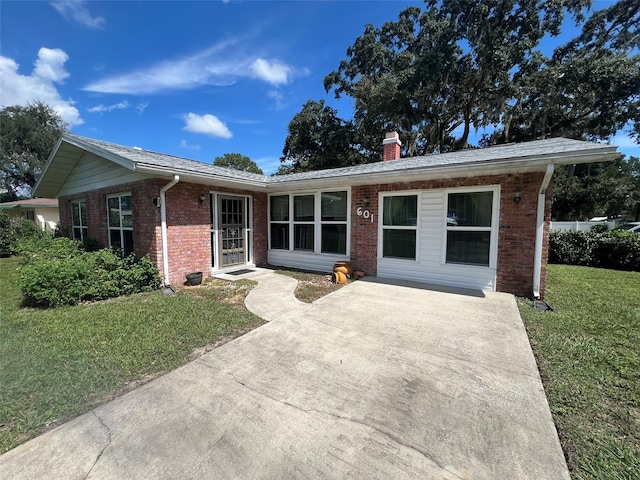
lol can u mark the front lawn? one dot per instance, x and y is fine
(59, 363)
(588, 352)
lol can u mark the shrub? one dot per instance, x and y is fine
(599, 228)
(7, 237)
(614, 249)
(64, 274)
(13, 230)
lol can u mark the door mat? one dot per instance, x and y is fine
(240, 272)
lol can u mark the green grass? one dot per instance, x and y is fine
(59, 363)
(588, 352)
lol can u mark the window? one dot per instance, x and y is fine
(120, 222)
(333, 222)
(312, 222)
(469, 227)
(303, 222)
(399, 226)
(79, 219)
(279, 208)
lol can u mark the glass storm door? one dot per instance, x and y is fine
(232, 231)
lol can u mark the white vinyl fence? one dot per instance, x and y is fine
(582, 226)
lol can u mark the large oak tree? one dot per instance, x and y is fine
(27, 137)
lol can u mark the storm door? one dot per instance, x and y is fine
(232, 231)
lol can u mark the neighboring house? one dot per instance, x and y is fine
(43, 211)
(475, 219)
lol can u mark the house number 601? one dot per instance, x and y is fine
(365, 213)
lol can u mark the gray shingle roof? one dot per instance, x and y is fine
(536, 149)
(559, 149)
(141, 157)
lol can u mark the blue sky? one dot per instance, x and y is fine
(195, 79)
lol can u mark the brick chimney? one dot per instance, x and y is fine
(391, 145)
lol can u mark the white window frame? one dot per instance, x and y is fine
(121, 229)
(495, 221)
(382, 227)
(83, 228)
(318, 223)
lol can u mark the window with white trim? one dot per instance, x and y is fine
(333, 222)
(399, 226)
(303, 222)
(469, 227)
(79, 219)
(120, 222)
(312, 222)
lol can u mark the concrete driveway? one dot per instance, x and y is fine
(373, 381)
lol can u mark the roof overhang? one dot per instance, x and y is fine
(532, 163)
(70, 149)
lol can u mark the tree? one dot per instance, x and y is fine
(238, 162)
(586, 190)
(436, 74)
(588, 89)
(319, 139)
(28, 134)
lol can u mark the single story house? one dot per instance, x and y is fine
(43, 211)
(475, 219)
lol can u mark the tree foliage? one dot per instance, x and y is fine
(588, 89)
(238, 162)
(319, 139)
(28, 134)
(439, 72)
(597, 189)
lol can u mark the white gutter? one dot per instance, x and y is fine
(163, 228)
(537, 258)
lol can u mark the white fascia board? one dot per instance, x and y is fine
(187, 176)
(46, 167)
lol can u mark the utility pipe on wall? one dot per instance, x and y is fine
(163, 228)
(537, 259)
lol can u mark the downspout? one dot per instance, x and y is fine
(163, 228)
(537, 259)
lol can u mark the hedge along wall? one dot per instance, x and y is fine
(615, 249)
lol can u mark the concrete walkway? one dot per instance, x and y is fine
(372, 381)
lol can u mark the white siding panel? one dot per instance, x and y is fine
(304, 260)
(92, 172)
(428, 268)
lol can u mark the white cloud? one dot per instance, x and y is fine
(207, 124)
(16, 89)
(141, 107)
(76, 10)
(274, 72)
(187, 145)
(269, 164)
(221, 65)
(278, 97)
(102, 108)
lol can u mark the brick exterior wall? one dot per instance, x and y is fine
(188, 223)
(516, 234)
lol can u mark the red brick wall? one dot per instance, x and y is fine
(517, 227)
(188, 223)
(146, 215)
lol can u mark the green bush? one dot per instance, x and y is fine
(13, 230)
(618, 250)
(64, 274)
(7, 237)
